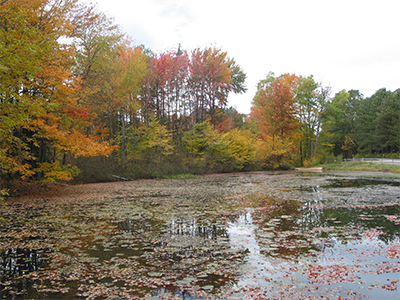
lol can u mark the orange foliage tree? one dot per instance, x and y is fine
(210, 82)
(274, 117)
(72, 85)
(39, 113)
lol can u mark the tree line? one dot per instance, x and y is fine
(366, 126)
(78, 99)
(304, 123)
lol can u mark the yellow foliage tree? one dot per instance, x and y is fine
(210, 149)
(273, 154)
(240, 148)
(39, 109)
(155, 142)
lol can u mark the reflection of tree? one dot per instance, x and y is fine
(18, 262)
(195, 228)
(290, 227)
(311, 212)
(311, 217)
(183, 246)
(139, 225)
(291, 224)
(366, 218)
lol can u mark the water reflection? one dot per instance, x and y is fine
(293, 228)
(175, 249)
(359, 182)
(242, 234)
(135, 246)
(317, 249)
(194, 227)
(18, 262)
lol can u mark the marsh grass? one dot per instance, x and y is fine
(177, 176)
(362, 166)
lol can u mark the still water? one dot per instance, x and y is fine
(236, 236)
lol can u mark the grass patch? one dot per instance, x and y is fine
(177, 176)
(363, 166)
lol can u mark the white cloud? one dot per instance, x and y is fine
(349, 44)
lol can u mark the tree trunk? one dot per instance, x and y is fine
(316, 138)
(123, 150)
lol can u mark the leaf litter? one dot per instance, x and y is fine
(254, 235)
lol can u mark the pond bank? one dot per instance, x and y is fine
(363, 166)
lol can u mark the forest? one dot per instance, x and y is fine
(80, 101)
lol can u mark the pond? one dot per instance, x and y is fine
(257, 235)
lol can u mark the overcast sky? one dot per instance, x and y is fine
(347, 44)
